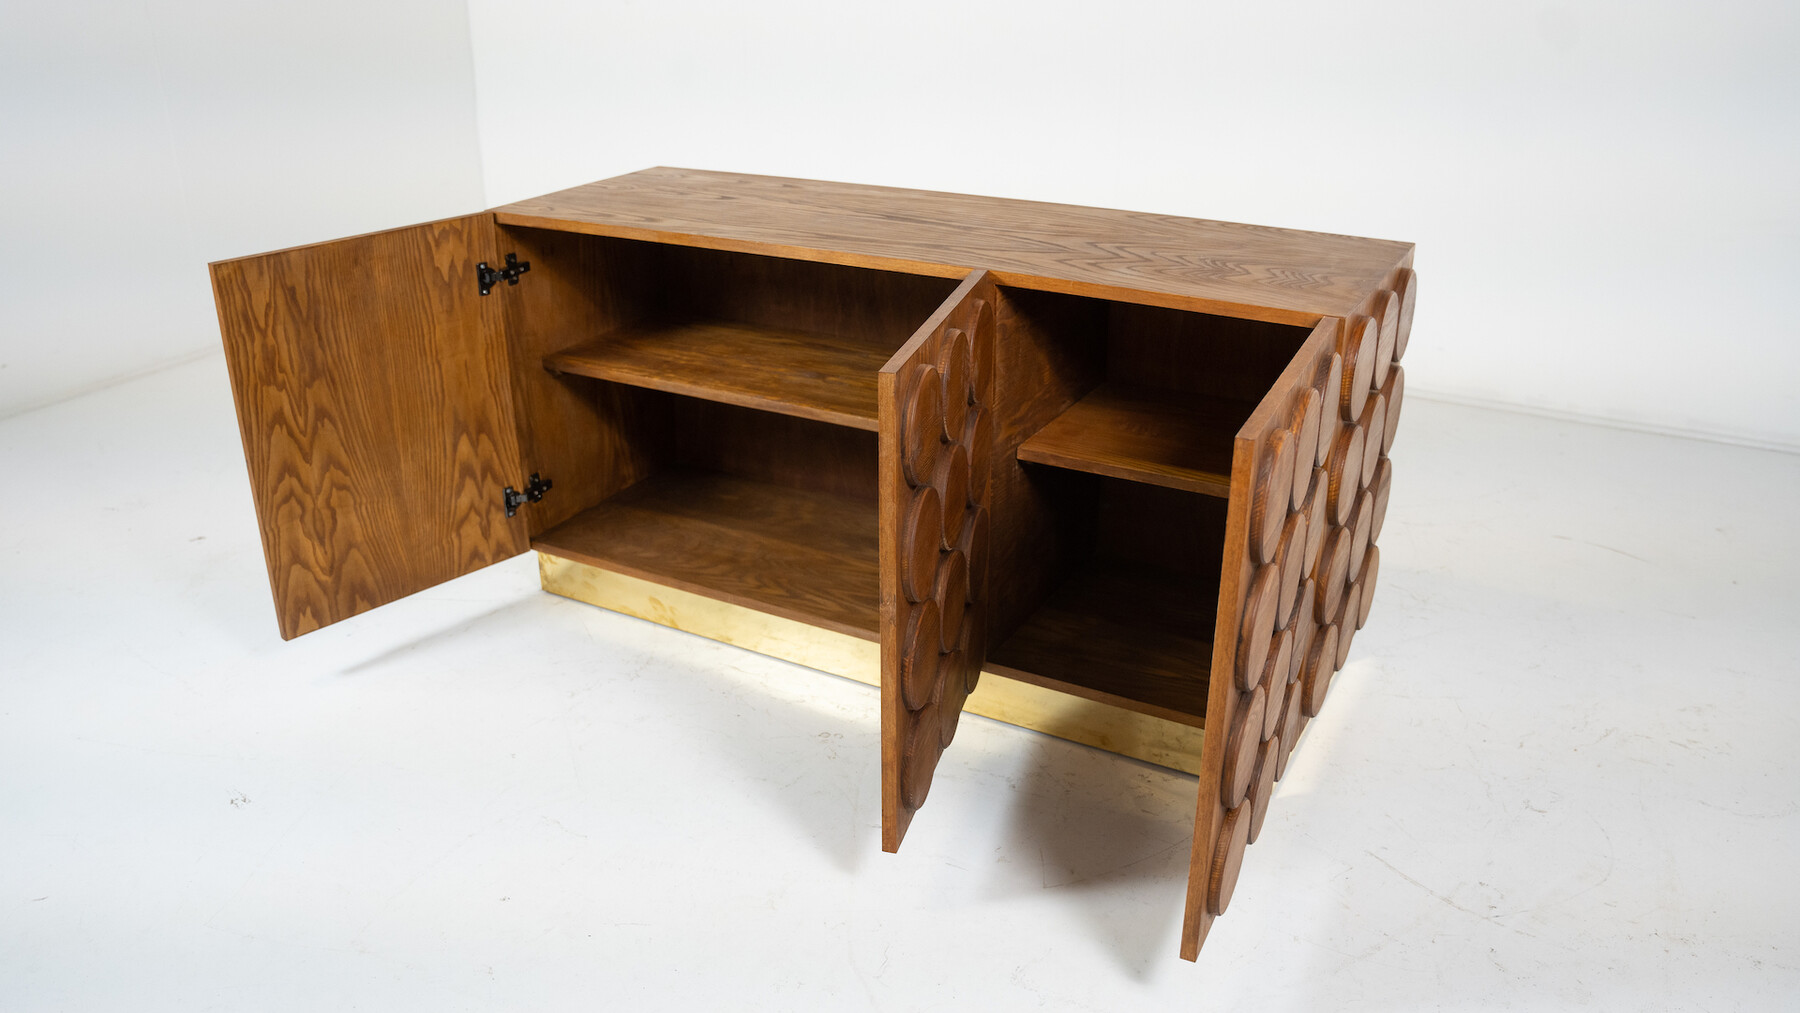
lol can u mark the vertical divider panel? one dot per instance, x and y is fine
(936, 430)
(1263, 620)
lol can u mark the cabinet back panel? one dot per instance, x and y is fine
(1197, 353)
(883, 308)
(766, 447)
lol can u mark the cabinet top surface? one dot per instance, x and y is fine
(1247, 270)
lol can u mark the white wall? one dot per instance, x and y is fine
(139, 141)
(1603, 194)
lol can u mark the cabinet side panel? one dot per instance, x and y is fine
(590, 438)
(372, 395)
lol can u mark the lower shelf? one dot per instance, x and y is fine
(1124, 634)
(803, 555)
(1126, 731)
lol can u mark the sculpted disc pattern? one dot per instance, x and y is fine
(1311, 573)
(945, 441)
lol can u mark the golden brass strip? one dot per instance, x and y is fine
(1089, 722)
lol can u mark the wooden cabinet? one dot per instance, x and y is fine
(1116, 476)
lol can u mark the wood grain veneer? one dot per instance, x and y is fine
(814, 376)
(1245, 271)
(372, 395)
(1144, 434)
(791, 552)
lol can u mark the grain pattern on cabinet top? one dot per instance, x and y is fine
(1281, 275)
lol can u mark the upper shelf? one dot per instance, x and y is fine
(813, 376)
(1141, 434)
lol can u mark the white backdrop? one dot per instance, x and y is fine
(139, 141)
(1602, 193)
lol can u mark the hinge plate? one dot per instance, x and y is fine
(513, 499)
(486, 277)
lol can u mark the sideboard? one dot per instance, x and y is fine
(1116, 476)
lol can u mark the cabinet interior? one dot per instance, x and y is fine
(712, 416)
(1125, 474)
(709, 420)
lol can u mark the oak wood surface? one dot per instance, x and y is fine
(796, 553)
(814, 376)
(1246, 271)
(1144, 434)
(373, 397)
(1132, 632)
(591, 440)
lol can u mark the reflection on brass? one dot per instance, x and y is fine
(1103, 726)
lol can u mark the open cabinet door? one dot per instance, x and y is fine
(374, 398)
(1271, 589)
(937, 437)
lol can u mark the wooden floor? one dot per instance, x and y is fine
(813, 376)
(1122, 633)
(799, 554)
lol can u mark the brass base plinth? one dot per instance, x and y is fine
(1092, 723)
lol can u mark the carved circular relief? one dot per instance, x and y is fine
(980, 441)
(974, 546)
(1268, 757)
(1344, 473)
(1303, 626)
(1407, 285)
(920, 664)
(952, 482)
(1240, 747)
(1392, 393)
(1328, 387)
(921, 420)
(1315, 676)
(1269, 497)
(956, 368)
(1359, 367)
(1334, 567)
(1258, 626)
(1228, 858)
(952, 596)
(1383, 484)
(1346, 623)
(1371, 569)
(1290, 558)
(1274, 680)
(919, 759)
(984, 351)
(1360, 519)
(1316, 521)
(1373, 426)
(1290, 726)
(1306, 445)
(1387, 313)
(922, 530)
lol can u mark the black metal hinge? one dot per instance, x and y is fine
(486, 277)
(534, 491)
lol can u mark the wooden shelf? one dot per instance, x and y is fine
(1142, 434)
(803, 555)
(1122, 634)
(813, 376)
